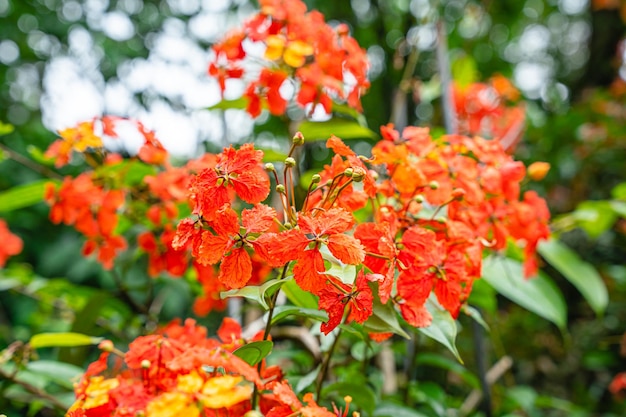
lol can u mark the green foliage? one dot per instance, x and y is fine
(23, 196)
(254, 352)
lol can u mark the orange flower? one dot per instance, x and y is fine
(338, 297)
(11, 244)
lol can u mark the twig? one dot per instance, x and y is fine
(447, 99)
(495, 373)
(19, 158)
(33, 390)
(325, 365)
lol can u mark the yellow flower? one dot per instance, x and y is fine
(190, 383)
(81, 137)
(225, 391)
(98, 391)
(275, 47)
(172, 404)
(296, 53)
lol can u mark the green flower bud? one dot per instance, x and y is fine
(290, 162)
(298, 139)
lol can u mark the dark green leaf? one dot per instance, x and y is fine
(282, 312)
(384, 319)
(443, 327)
(256, 293)
(443, 362)
(43, 340)
(343, 128)
(580, 273)
(298, 296)
(538, 294)
(361, 394)
(61, 373)
(254, 352)
(388, 409)
(23, 195)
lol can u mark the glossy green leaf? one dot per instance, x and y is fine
(258, 293)
(539, 295)
(298, 296)
(595, 217)
(361, 394)
(443, 328)
(619, 191)
(282, 312)
(384, 319)
(388, 409)
(23, 195)
(475, 315)
(240, 104)
(61, 373)
(343, 128)
(67, 339)
(578, 272)
(464, 70)
(439, 361)
(254, 352)
(6, 128)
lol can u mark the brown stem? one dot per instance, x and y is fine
(19, 158)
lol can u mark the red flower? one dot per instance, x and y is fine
(237, 170)
(11, 244)
(338, 297)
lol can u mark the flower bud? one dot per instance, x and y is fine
(253, 413)
(298, 139)
(269, 167)
(280, 189)
(538, 170)
(145, 364)
(106, 346)
(358, 175)
(441, 219)
(290, 162)
(458, 193)
(315, 179)
(418, 198)
(433, 185)
(348, 172)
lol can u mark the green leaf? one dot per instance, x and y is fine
(443, 327)
(43, 340)
(450, 365)
(240, 104)
(9, 283)
(271, 155)
(63, 374)
(256, 293)
(361, 394)
(23, 195)
(581, 274)
(6, 128)
(595, 217)
(388, 409)
(464, 70)
(307, 379)
(384, 319)
(343, 128)
(282, 312)
(476, 316)
(619, 191)
(619, 207)
(254, 352)
(539, 295)
(298, 296)
(38, 155)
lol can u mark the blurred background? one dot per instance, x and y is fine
(66, 61)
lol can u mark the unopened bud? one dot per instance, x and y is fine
(315, 179)
(538, 170)
(219, 182)
(358, 175)
(145, 364)
(433, 185)
(458, 193)
(418, 198)
(441, 219)
(253, 413)
(270, 167)
(290, 162)
(287, 225)
(280, 189)
(348, 172)
(106, 346)
(298, 139)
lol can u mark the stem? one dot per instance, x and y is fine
(266, 333)
(19, 158)
(325, 365)
(449, 111)
(33, 390)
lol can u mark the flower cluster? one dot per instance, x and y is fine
(486, 109)
(180, 371)
(323, 63)
(11, 244)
